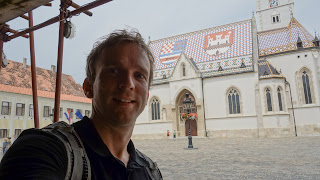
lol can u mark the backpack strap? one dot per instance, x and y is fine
(78, 160)
(152, 169)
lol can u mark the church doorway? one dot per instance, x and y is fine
(184, 124)
(193, 125)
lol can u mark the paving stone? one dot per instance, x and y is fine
(236, 158)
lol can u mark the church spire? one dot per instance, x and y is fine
(274, 14)
(315, 40)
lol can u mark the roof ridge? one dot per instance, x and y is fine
(37, 67)
(284, 39)
(271, 30)
(301, 27)
(46, 94)
(193, 32)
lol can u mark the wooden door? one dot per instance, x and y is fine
(193, 125)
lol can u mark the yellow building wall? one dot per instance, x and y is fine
(4, 123)
(13, 122)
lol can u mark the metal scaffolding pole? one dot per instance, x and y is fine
(33, 73)
(1, 50)
(57, 18)
(59, 65)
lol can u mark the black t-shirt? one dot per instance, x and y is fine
(38, 155)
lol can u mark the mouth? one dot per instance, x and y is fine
(120, 100)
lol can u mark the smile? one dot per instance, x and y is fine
(124, 100)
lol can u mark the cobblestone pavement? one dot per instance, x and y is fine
(236, 158)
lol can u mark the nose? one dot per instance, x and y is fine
(126, 81)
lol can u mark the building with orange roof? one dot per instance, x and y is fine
(17, 103)
(253, 78)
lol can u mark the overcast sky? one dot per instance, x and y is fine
(155, 18)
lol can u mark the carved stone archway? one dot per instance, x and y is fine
(183, 125)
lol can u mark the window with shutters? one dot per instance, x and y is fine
(17, 132)
(4, 133)
(6, 108)
(20, 109)
(46, 111)
(31, 111)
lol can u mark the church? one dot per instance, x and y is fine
(253, 78)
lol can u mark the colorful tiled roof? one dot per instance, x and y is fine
(284, 39)
(226, 46)
(17, 79)
(266, 70)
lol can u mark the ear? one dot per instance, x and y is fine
(87, 88)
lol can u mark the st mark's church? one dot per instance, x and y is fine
(253, 78)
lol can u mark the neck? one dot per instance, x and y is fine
(115, 138)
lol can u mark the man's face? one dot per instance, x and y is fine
(120, 90)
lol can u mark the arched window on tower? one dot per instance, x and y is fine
(269, 102)
(280, 99)
(234, 101)
(183, 70)
(306, 87)
(155, 109)
(275, 17)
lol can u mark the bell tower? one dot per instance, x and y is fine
(273, 14)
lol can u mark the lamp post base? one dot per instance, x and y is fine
(190, 148)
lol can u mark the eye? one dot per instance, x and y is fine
(140, 76)
(113, 70)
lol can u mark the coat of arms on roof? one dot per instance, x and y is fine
(171, 51)
(218, 43)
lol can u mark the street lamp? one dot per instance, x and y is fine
(188, 103)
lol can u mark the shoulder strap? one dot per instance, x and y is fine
(153, 170)
(78, 160)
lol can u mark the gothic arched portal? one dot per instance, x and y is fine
(184, 124)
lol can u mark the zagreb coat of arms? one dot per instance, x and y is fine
(218, 43)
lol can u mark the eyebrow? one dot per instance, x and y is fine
(145, 70)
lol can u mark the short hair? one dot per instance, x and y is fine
(114, 38)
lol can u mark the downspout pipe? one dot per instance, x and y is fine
(294, 119)
(204, 110)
